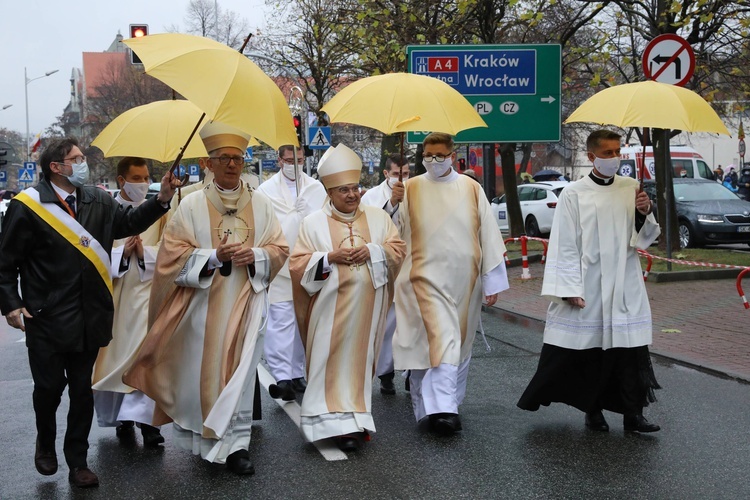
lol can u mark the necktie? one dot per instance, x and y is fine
(71, 201)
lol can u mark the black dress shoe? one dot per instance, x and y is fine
(347, 443)
(45, 460)
(638, 423)
(152, 437)
(386, 384)
(83, 477)
(299, 384)
(239, 463)
(445, 424)
(595, 421)
(125, 429)
(283, 389)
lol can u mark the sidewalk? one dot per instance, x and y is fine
(699, 323)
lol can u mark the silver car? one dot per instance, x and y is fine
(538, 201)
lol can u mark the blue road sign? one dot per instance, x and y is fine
(194, 170)
(319, 137)
(269, 165)
(26, 174)
(3, 176)
(249, 154)
(181, 170)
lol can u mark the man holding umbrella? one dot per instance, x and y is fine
(283, 347)
(388, 195)
(454, 261)
(595, 355)
(57, 236)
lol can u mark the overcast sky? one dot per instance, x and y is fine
(44, 35)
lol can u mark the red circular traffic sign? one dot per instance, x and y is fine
(742, 147)
(669, 59)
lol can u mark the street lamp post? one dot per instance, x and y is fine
(26, 91)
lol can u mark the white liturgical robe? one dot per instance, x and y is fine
(454, 258)
(599, 264)
(131, 290)
(199, 358)
(341, 315)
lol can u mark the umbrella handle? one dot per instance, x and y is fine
(182, 149)
(401, 142)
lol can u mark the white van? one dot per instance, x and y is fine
(683, 158)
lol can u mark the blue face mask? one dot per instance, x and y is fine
(80, 175)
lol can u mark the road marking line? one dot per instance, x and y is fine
(326, 447)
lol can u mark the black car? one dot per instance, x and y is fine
(708, 213)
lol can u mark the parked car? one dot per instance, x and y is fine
(538, 201)
(707, 213)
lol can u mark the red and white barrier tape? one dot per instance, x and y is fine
(745, 270)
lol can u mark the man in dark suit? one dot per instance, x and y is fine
(57, 237)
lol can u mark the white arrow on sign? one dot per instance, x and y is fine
(548, 100)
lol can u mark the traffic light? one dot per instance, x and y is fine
(3, 155)
(299, 128)
(137, 31)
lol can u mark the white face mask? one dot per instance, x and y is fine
(438, 168)
(392, 178)
(288, 170)
(136, 191)
(607, 166)
(80, 174)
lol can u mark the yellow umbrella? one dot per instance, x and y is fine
(402, 102)
(157, 130)
(222, 82)
(650, 104)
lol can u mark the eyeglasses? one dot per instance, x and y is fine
(434, 158)
(74, 159)
(224, 160)
(343, 190)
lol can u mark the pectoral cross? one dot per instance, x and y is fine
(351, 242)
(238, 231)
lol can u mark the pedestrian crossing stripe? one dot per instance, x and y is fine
(320, 139)
(26, 176)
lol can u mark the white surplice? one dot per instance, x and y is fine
(283, 347)
(114, 401)
(600, 264)
(380, 197)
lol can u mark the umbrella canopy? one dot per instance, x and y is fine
(547, 175)
(402, 102)
(157, 130)
(650, 104)
(223, 83)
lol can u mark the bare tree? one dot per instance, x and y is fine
(208, 19)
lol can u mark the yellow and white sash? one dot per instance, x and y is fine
(61, 221)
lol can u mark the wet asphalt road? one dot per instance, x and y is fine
(703, 450)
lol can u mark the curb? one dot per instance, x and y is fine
(675, 358)
(709, 274)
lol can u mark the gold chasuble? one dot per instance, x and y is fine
(341, 315)
(198, 360)
(452, 240)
